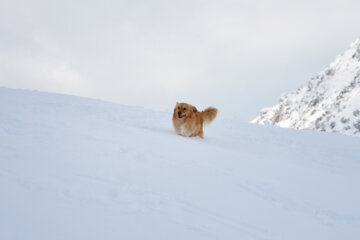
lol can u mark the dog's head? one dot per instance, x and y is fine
(183, 110)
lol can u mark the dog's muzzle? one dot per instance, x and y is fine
(180, 116)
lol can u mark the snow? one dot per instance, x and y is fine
(77, 168)
(329, 101)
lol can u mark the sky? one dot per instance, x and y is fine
(238, 56)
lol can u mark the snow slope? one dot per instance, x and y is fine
(76, 168)
(329, 102)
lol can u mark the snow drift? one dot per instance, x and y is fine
(329, 102)
(76, 168)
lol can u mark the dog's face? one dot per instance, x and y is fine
(182, 110)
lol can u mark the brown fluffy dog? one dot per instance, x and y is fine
(188, 121)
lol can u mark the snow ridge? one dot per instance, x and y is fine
(78, 168)
(330, 102)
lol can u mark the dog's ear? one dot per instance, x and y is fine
(194, 109)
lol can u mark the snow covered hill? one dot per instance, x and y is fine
(330, 102)
(76, 168)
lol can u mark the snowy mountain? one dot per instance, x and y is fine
(330, 102)
(76, 168)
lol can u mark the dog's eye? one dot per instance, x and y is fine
(184, 109)
(179, 108)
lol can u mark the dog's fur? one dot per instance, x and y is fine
(188, 121)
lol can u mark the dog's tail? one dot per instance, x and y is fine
(209, 114)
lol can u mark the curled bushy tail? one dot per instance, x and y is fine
(209, 114)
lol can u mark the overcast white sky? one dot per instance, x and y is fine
(238, 56)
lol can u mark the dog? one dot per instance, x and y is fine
(188, 121)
